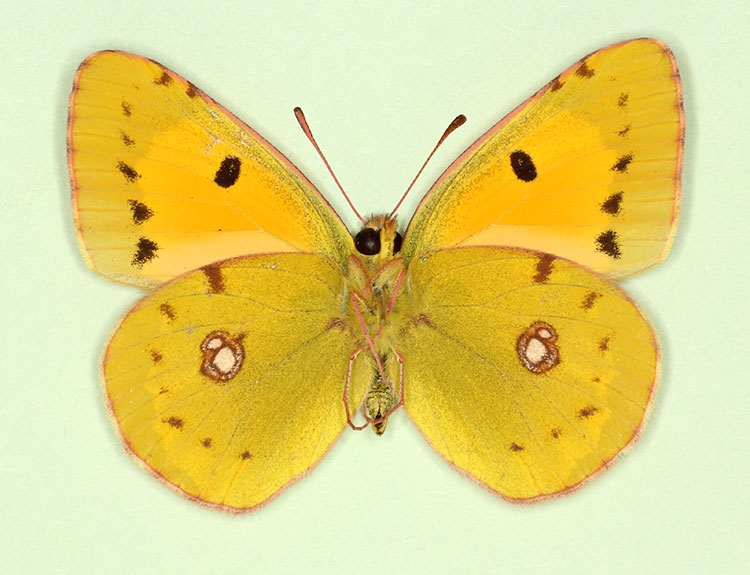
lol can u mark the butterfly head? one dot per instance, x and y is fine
(379, 238)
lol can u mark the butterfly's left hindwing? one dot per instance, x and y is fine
(227, 382)
(545, 371)
(165, 180)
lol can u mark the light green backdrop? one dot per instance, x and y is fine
(378, 86)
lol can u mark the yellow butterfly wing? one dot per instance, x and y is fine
(165, 180)
(588, 169)
(525, 371)
(227, 382)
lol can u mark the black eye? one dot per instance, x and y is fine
(367, 242)
(397, 241)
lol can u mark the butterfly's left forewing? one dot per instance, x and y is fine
(165, 180)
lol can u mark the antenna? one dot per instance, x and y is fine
(457, 122)
(306, 129)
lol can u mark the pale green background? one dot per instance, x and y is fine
(378, 86)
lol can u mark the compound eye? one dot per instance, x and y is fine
(367, 241)
(397, 241)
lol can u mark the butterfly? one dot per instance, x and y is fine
(492, 319)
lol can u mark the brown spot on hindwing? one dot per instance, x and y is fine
(145, 251)
(336, 323)
(622, 101)
(140, 212)
(223, 355)
(422, 319)
(536, 347)
(586, 412)
(215, 278)
(164, 80)
(544, 266)
(175, 422)
(127, 109)
(556, 84)
(127, 140)
(417, 321)
(603, 344)
(590, 299)
(206, 442)
(515, 447)
(191, 90)
(167, 311)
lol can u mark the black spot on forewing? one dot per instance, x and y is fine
(228, 173)
(606, 242)
(613, 204)
(622, 163)
(584, 71)
(543, 268)
(624, 132)
(140, 211)
(523, 166)
(127, 140)
(145, 251)
(128, 171)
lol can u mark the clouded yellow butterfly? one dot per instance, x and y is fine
(493, 320)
